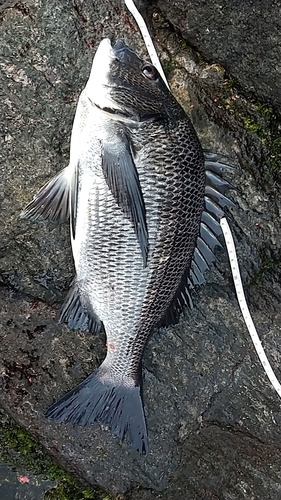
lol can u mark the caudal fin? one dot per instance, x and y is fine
(117, 406)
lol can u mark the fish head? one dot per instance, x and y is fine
(126, 86)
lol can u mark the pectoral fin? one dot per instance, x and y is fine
(52, 201)
(123, 181)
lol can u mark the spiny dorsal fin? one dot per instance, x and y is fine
(207, 241)
(215, 202)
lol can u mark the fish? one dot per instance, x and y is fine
(144, 203)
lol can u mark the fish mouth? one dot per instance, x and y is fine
(123, 53)
(102, 88)
(109, 49)
(99, 85)
(118, 45)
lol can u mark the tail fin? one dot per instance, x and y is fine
(117, 406)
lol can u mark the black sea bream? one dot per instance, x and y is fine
(135, 189)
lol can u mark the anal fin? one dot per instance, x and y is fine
(181, 300)
(79, 316)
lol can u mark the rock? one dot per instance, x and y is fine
(213, 418)
(244, 38)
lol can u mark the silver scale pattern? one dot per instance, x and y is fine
(129, 298)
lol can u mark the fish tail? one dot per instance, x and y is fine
(98, 399)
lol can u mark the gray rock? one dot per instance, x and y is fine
(213, 418)
(244, 37)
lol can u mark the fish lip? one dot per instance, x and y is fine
(119, 44)
(115, 49)
(104, 50)
(123, 53)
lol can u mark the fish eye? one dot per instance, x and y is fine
(150, 72)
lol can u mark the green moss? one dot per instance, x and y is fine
(265, 110)
(230, 83)
(266, 131)
(21, 449)
(252, 126)
(258, 119)
(66, 491)
(267, 265)
(260, 122)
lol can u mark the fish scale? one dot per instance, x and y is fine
(177, 246)
(136, 190)
(125, 281)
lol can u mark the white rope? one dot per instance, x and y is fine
(244, 307)
(147, 38)
(224, 224)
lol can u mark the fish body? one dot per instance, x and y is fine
(135, 192)
(130, 285)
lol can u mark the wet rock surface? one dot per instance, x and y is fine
(213, 418)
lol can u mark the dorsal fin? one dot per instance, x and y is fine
(207, 241)
(215, 202)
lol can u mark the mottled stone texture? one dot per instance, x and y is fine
(213, 418)
(243, 36)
